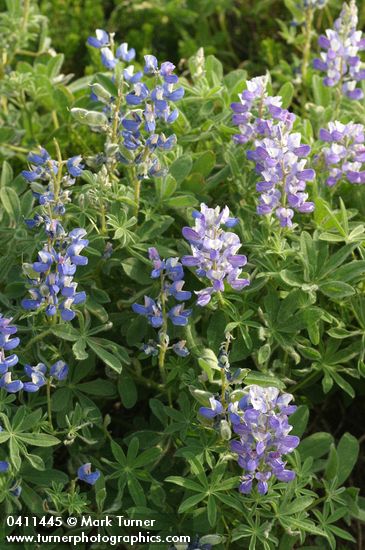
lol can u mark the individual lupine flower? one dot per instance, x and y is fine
(15, 490)
(151, 310)
(7, 343)
(260, 419)
(214, 252)
(179, 316)
(345, 154)
(84, 473)
(281, 162)
(180, 348)
(4, 466)
(124, 53)
(10, 385)
(102, 39)
(150, 348)
(215, 409)
(75, 166)
(340, 57)
(59, 370)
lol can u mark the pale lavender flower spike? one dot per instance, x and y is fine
(345, 153)
(260, 418)
(278, 153)
(214, 251)
(340, 57)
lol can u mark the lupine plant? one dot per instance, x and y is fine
(182, 310)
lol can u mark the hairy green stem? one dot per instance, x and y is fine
(305, 381)
(49, 403)
(137, 194)
(163, 339)
(307, 44)
(36, 338)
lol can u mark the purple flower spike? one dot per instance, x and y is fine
(214, 251)
(344, 153)
(340, 58)
(279, 156)
(261, 421)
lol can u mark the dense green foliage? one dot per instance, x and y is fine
(299, 326)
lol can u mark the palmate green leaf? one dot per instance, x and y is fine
(147, 457)
(38, 440)
(137, 271)
(66, 332)
(44, 478)
(128, 391)
(4, 436)
(35, 461)
(350, 271)
(10, 201)
(208, 362)
(181, 201)
(315, 445)
(79, 349)
(136, 491)
(287, 93)
(15, 453)
(190, 502)
(108, 358)
(335, 261)
(7, 174)
(331, 470)
(348, 452)
(336, 289)
(186, 483)
(165, 187)
(230, 501)
(181, 168)
(212, 510)
(340, 381)
(299, 420)
(31, 499)
(132, 450)
(204, 163)
(341, 533)
(264, 380)
(98, 387)
(291, 523)
(118, 453)
(295, 506)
